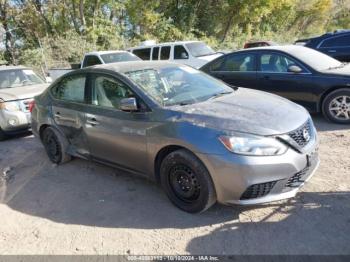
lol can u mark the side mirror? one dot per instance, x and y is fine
(184, 55)
(295, 69)
(128, 104)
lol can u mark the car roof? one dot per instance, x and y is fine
(122, 67)
(164, 43)
(291, 49)
(2, 68)
(106, 52)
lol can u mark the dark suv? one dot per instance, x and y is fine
(336, 44)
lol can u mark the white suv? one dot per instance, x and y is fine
(18, 86)
(192, 53)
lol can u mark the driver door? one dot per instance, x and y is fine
(273, 76)
(116, 136)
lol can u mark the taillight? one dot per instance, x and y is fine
(31, 105)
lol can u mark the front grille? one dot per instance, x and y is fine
(296, 180)
(258, 190)
(303, 134)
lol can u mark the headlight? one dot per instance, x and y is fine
(10, 106)
(245, 144)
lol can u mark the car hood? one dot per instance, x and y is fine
(22, 92)
(245, 110)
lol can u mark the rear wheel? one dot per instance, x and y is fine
(55, 145)
(187, 182)
(336, 106)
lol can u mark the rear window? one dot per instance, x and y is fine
(165, 53)
(144, 53)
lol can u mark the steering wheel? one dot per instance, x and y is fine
(25, 81)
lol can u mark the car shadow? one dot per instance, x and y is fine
(86, 193)
(323, 124)
(316, 223)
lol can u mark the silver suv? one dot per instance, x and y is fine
(18, 86)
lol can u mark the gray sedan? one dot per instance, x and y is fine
(201, 139)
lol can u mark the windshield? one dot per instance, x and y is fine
(317, 60)
(18, 77)
(119, 57)
(199, 49)
(178, 85)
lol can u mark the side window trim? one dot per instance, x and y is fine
(300, 64)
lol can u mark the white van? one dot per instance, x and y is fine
(192, 53)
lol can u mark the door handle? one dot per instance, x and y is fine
(92, 121)
(58, 115)
(332, 51)
(266, 77)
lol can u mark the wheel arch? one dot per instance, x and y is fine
(329, 91)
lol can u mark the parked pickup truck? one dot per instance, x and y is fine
(96, 58)
(18, 86)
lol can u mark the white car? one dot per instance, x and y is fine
(96, 58)
(192, 53)
(18, 86)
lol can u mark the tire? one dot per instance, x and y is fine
(55, 145)
(335, 100)
(187, 182)
(2, 135)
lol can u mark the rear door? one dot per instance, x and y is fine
(238, 69)
(68, 109)
(337, 47)
(116, 136)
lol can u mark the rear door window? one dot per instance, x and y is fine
(165, 53)
(143, 53)
(91, 60)
(155, 53)
(239, 63)
(71, 88)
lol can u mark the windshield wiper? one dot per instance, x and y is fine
(220, 94)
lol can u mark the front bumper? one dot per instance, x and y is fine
(13, 122)
(249, 180)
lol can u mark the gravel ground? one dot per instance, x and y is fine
(86, 208)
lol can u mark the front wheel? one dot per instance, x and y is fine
(336, 106)
(187, 182)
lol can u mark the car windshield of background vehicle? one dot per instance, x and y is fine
(178, 85)
(198, 49)
(18, 78)
(119, 57)
(318, 60)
